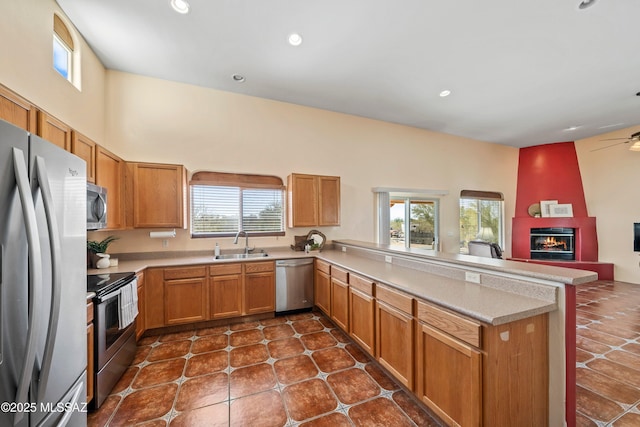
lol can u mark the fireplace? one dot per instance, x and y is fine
(553, 243)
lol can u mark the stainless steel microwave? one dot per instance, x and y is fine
(96, 207)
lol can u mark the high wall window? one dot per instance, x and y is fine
(62, 48)
(481, 218)
(223, 204)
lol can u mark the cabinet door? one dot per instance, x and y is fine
(328, 200)
(54, 131)
(362, 319)
(449, 375)
(154, 298)
(259, 293)
(17, 111)
(185, 301)
(225, 295)
(322, 291)
(394, 342)
(159, 195)
(340, 303)
(303, 200)
(140, 320)
(110, 174)
(85, 148)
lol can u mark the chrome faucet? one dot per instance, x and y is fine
(246, 242)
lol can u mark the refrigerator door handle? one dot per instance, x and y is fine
(35, 278)
(42, 181)
(72, 404)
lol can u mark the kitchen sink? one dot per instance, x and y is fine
(241, 256)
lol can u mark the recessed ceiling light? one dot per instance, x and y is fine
(570, 128)
(180, 6)
(586, 3)
(238, 78)
(295, 39)
(444, 93)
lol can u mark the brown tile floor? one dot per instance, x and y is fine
(608, 354)
(296, 370)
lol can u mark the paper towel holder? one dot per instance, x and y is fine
(162, 234)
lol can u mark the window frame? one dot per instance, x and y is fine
(241, 182)
(479, 196)
(62, 45)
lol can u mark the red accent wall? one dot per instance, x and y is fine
(551, 172)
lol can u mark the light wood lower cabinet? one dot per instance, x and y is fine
(322, 287)
(362, 313)
(259, 287)
(140, 320)
(340, 297)
(394, 342)
(185, 295)
(225, 291)
(449, 377)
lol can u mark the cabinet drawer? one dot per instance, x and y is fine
(397, 299)
(456, 326)
(361, 284)
(184, 272)
(259, 267)
(224, 269)
(339, 273)
(325, 267)
(89, 312)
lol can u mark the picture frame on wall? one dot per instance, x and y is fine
(545, 205)
(561, 210)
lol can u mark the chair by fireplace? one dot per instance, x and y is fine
(553, 243)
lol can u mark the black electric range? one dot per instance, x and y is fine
(102, 284)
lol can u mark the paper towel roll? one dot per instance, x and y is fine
(162, 234)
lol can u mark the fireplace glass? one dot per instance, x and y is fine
(552, 243)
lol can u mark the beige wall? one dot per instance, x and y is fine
(204, 129)
(611, 179)
(26, 67)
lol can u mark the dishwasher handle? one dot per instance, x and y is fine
(294, 262)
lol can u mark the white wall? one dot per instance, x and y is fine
(26, 67)
(204, 129)
(611, 179)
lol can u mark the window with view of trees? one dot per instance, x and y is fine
(223, 207)
(480, 218)
(413, 222)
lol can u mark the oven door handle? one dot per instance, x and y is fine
(110, 295)
(42, 181)
(35, 279)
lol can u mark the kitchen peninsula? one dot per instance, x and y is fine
(482, 313)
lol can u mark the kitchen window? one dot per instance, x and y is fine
(223, 204)
(481, 218)
(65, 54)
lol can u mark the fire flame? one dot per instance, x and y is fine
(551, 243)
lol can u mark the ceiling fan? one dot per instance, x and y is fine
(634, 138)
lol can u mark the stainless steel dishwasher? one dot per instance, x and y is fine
(294, 284)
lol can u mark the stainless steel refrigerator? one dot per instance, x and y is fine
(43, 340)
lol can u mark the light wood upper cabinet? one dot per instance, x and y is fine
(54, 131)
(313, 200)
(17, 111)
(110, 174)
(158, 195)
(85, 148)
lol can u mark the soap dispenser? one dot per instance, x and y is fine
(217, 250)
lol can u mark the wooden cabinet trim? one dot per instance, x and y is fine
(173, 273)
(224, 269)
(259, 267)
(340, 274)
(361, 284)
(395, 298)
(453, 324)
(89, 312)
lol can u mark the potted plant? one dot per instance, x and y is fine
(98, 250)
